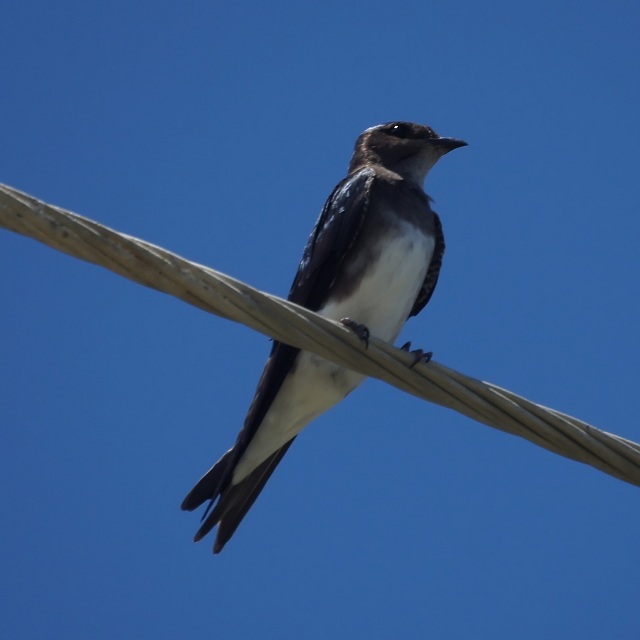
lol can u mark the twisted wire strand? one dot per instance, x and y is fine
(232, 299)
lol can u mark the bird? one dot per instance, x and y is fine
(371, 262)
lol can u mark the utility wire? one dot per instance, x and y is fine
(234, 300)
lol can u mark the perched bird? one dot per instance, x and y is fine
(372, 261)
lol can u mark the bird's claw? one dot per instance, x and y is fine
(419, 354)
(359, 329)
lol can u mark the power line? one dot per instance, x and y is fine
(229, 298)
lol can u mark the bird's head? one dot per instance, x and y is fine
(405, 148)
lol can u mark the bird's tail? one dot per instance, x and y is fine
(210, 486)
(234, 499)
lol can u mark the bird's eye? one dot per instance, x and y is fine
(408, 131)
(400, 130)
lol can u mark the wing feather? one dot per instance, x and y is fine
(331, 239)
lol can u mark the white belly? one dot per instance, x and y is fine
(386, 294)
(382, 302)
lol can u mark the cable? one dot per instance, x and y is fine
(229, 298)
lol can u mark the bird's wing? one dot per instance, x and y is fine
(431, 279)
(333, 235)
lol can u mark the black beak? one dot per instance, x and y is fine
(447, 144)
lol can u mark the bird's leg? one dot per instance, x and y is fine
(359, 329)
(419, 354)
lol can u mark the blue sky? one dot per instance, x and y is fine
(217, 130)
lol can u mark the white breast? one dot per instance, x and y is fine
(384, 298)
(382, 301)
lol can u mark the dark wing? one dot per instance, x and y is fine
(431, 279)
(334, 233)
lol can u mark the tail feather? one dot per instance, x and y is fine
(211, 484)
(234, 499)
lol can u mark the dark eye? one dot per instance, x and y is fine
(400, 130)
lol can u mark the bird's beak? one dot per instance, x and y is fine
(447, 144)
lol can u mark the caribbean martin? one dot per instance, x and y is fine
(372, 261)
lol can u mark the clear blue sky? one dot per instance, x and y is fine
(217, 130)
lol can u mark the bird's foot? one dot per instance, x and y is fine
(359, 329)
(419, 354)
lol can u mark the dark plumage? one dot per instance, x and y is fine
(375, 216)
